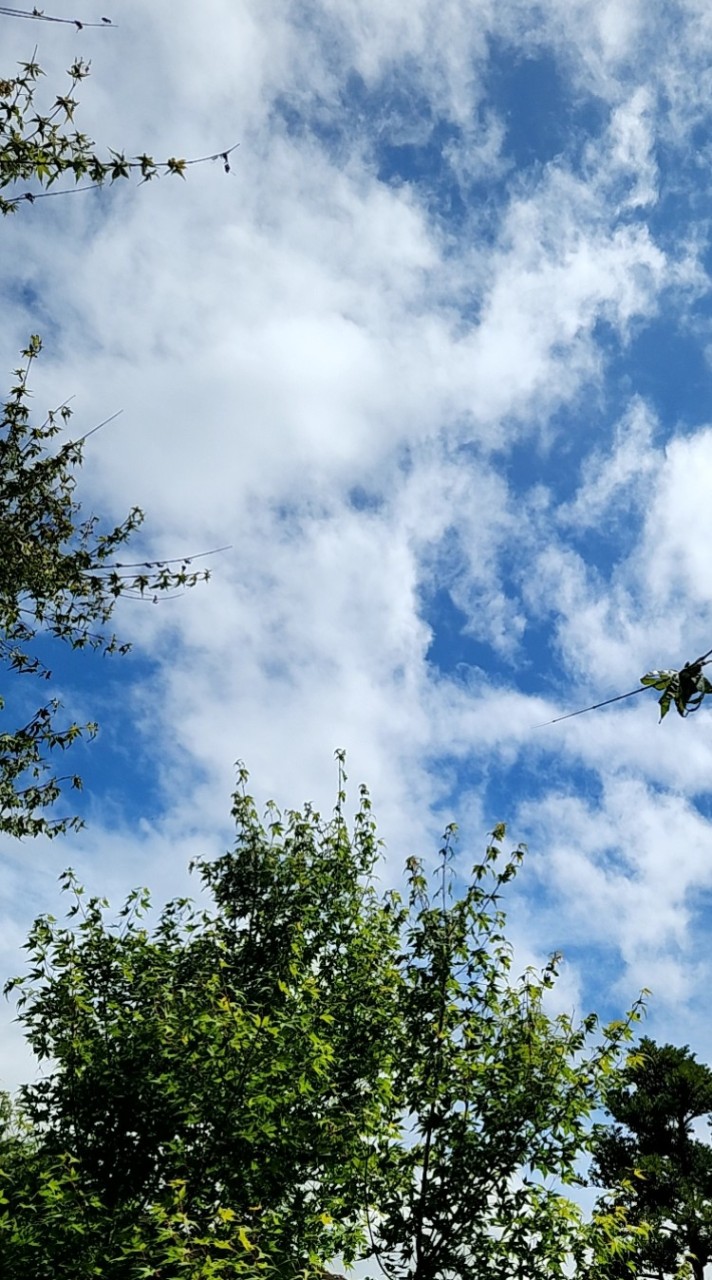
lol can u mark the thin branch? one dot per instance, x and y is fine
(98, 427)
(383, 1266)
(152, 598)
(703, 661)
(37, 15)
(31, 196)
(619, 698)
(219, 155)
(54, 412)
(157, 564)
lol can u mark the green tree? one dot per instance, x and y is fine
(59, 578)
(491, 1099)
(214, 1080)
(39, 144)
(308, 1068)
(658, 1171)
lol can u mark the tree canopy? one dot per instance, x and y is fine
(59, 575)
(308, 1068)
(650, 1157)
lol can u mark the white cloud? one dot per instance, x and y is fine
(628, 872)
(617, 480)
(631, 142)
(673, 553)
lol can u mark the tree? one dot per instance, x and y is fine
(658, 1171)
(308, 1068)
(59, 578)
(491, 1099)
(215, 1083)
(58, 573)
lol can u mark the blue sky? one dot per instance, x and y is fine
(435, 358)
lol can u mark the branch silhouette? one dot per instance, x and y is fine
(38, 15)
(686, 688)
(594, 707)
(162, 168)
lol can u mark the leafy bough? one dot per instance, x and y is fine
(685, 689)
(59, 580)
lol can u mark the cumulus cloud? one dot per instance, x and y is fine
(630, 872)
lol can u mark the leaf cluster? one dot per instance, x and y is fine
(41, 145)
(494, 1096)
(685, 689)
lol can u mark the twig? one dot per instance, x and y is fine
(703, 661)
(619, 698)
(31, 196)
(219, 155)
(99, 426)
(157, 564)
(37, 15)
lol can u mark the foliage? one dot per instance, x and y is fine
(42, 146)
(491, 1098)
(658, 1170)
(58, 575)
(684, 689)
(213, 1081)
(307, 1068)
(58, 578)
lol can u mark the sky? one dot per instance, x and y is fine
(434, 359)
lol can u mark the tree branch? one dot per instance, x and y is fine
(37, 15)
